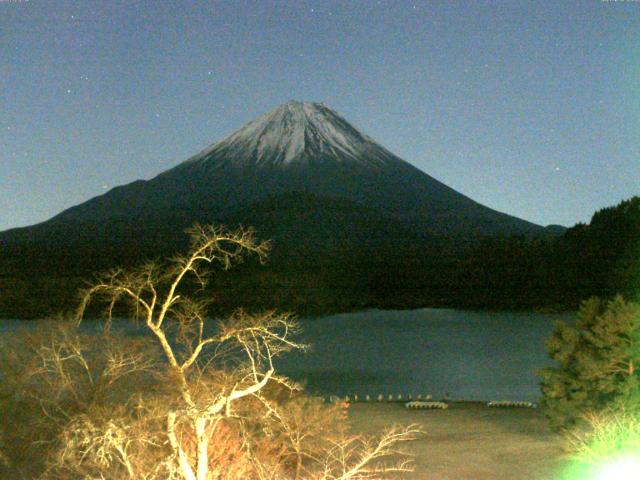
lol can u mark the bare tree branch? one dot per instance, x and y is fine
(204, 379)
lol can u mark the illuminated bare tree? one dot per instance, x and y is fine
(322, 455)
(359, 458)
(188, 401)
(154, 296)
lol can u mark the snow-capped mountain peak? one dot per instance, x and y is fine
(299, 150)
(297, 132)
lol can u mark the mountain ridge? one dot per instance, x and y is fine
(305, 147)
(352, 224)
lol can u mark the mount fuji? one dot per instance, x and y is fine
(337, 206)
(299, 148)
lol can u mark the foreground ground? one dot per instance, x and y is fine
(470, 441)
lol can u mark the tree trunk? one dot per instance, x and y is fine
(203, 446)
(183, 461)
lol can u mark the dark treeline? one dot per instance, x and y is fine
(385, 267)
(598, 259)
(553, 273)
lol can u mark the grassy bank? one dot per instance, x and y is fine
(470, 441)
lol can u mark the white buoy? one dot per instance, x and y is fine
(427, 405)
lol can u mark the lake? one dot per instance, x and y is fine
(471, 355)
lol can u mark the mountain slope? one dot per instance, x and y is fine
(352, 225)
(298, 147)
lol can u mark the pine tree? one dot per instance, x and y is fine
(597, 361)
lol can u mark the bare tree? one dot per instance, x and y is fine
(54, 376)
(324, 455)
(154, 295)
(359, 458)
(201, 406)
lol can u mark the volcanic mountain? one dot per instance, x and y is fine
(340, 209)
(300, 151)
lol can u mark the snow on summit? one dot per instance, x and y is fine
(297, 132)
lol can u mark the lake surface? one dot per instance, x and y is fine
(469, 354)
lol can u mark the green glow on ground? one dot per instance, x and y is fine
(620, 469)
(609, 449)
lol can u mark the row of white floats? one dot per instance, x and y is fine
(426, 402)
(379, 398)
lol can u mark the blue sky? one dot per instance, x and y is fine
(531, 108)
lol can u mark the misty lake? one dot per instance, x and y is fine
(472, 355)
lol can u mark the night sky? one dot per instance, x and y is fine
(529, 107)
